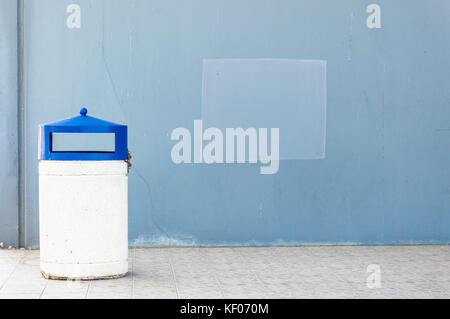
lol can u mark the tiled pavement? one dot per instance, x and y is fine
(247, 272)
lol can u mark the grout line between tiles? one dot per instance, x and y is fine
(173, 275)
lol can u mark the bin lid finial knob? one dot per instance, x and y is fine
(83, 111)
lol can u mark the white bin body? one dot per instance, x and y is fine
(83, 219)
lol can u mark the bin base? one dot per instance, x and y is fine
(57, 271)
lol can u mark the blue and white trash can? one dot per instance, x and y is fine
(83, 202)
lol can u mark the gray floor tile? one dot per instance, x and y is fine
(246, 272)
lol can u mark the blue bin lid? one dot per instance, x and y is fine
(82, 124)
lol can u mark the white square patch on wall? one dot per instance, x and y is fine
(269, 93)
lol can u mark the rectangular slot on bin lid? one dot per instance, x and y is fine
(83, 142)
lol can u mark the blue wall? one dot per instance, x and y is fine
(386, 174)
(9, 164)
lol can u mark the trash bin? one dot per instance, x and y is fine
(83, 202)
